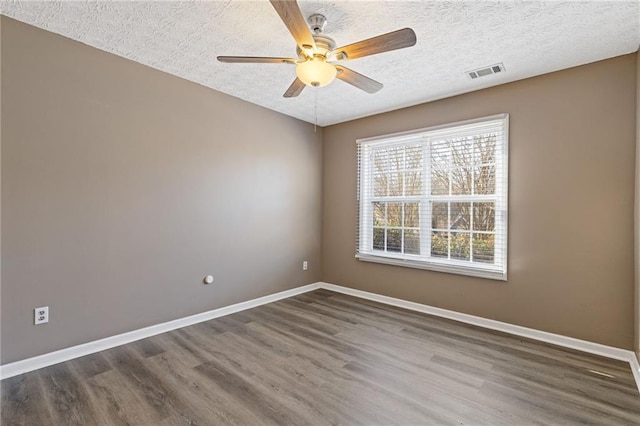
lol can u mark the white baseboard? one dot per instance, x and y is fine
(543, 336)
(45, 360)
(556, 339)
(635, 369)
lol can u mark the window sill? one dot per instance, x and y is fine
(480, 272)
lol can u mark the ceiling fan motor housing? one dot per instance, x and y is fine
(324, 45)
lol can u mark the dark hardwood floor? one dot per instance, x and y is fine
(326, 358)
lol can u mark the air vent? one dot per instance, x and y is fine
(481, 72)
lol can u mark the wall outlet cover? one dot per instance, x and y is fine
(41, 315)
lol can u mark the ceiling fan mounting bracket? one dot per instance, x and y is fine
(317, 23)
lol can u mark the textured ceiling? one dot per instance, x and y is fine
(183, 38)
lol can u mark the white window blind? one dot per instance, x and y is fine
(436, 198)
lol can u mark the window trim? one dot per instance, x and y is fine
(440, 265)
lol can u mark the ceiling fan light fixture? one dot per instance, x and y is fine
(316, 72)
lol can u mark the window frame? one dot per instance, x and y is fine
(365, 200)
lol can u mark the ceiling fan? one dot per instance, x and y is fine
(317, 53)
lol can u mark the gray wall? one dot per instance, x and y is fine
(123, 186)
(572, 155)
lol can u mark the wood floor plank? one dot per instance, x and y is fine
(327, 358)
(290, 383)
(164, 400)
(148, 347)
(66, 396)
(22, 401)
(178, 344)
(91, 365)
(117, 402)
(209, 399)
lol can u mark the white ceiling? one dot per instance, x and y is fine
(183, 38)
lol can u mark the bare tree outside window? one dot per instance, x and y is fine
(459, 167)
(463, 166)
(397, 173)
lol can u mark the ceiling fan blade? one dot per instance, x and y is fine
(295, 89)
(383, 43)
(358, 80)
(255, 60)
(290, 14)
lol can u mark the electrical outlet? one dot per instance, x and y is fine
(41, 315)
(305, 265)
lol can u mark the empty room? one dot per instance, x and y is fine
(320, 212)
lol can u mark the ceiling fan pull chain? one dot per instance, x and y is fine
(315, 108)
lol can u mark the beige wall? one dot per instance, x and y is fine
(0, 192)
(637, 212)
(122, 187)
(572, 142)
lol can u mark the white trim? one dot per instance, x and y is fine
(424, 139)
(416, 133)
(543, 336)
(474, 270)
(635, 369)
(45, 360)
(556, 339)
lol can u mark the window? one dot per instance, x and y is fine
(436, 198)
